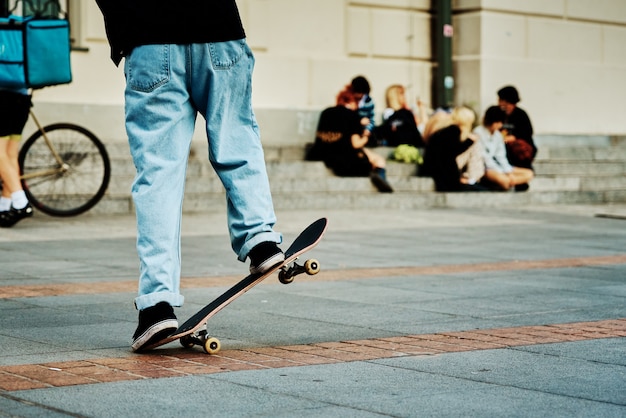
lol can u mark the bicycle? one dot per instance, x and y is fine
(65, 168)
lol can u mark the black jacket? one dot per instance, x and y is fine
(400, 128)
(130, 23)
(333, 143)
(440, 158)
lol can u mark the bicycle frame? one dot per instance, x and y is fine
(63, 167)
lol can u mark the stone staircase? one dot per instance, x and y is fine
(569, 170)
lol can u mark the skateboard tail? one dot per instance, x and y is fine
(308, 238)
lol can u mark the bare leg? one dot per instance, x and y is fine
(507, 180)
(9, 168)
(378, 161)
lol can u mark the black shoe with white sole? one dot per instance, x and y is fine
(265, 256)
(155, 323)
(11, 217)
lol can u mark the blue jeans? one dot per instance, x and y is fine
(166, 86)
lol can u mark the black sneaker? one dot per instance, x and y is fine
(11, 217)
(522, 187)
(265, 256)
(155, 323)
(380, 183)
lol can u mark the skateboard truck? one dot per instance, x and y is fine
(287, 273)
(211, 345)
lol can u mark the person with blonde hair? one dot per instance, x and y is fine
(470, 162)
(400, 124)
(453, 157)
(440, 119)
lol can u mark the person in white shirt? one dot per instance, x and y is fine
(498, 170)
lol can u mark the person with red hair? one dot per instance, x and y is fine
(340, 142)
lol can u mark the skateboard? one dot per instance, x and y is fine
(190, 332)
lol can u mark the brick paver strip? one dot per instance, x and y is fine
(179, 362)
(9, 292)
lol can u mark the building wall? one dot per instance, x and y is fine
(567, 57)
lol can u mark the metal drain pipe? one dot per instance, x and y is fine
(4, 8)
(443, 79)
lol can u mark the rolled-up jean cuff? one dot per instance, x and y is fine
(257, 239)
(146, 301)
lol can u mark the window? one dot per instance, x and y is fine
(41, 8)
(49, 8)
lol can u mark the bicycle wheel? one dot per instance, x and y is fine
(77, 183)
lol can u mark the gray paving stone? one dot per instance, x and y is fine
(583, 378)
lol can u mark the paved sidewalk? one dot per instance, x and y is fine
(481, 312)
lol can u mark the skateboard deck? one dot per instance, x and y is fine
(189, 332)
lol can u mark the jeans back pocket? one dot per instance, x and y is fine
(147, 67)
(225, 55)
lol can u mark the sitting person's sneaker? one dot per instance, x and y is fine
(155, 323)
(264, 256)
(380, 182)
(11, 217)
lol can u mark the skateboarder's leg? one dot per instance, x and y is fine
(235, 149)
(159, 122)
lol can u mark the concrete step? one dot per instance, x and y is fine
(409, 192)
(299, 169)
(578, 174)
(614, 153)
(580, 168)
(202, 202)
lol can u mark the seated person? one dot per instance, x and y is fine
(498, 170)
(453, 157)
(340, 142)
(361, 89)
(440, 119)
(400, 124)
(517, 129)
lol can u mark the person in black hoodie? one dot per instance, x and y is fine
(183, 58)
(400, 124)
(340, 143)
(517, 129)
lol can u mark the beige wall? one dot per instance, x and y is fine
(567, 57)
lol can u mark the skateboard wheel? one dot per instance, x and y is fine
(187, 341)
(212, 345)
(284, 277)
(312, 266)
